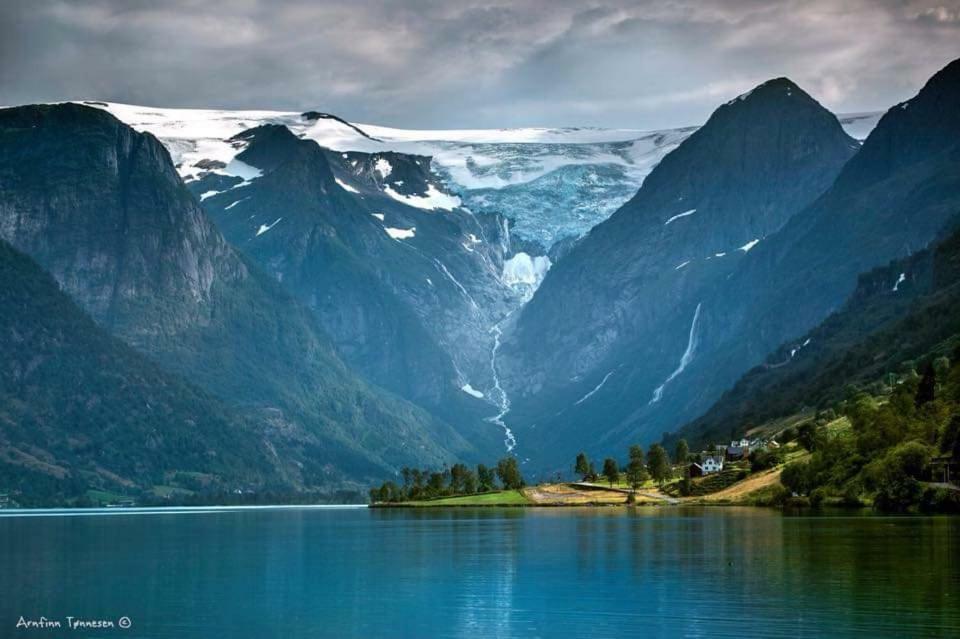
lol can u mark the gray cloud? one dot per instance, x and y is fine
(476, 63)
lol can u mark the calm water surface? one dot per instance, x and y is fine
(483, 573)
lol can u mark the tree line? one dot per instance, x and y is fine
(899, 449)
(457, 480)
(656, 465)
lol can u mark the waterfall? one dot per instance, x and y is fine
(510, 441)
(684, 360)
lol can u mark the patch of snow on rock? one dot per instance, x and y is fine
(265, 227)
(346, 187)
(679, 215)
(433, 199)
(383, 168)
(470, 390)
(242, 170)
(401, 234)
(749, 245)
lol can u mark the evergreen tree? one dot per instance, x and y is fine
(435, 484)
(927, 389)
(681, 453)
(582, 466)
(485, 479)
(458, 476)
(610, 470)
(469, 482)
(636, 471)
(509, 473)
(658, 464)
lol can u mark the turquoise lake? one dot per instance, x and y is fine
(490, 572)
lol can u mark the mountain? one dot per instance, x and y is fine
(80, 409)
(102, 208)
(611, 324)
(892, 199)
(553, 184)
(898, 313)
(405, 281)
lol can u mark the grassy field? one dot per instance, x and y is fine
(103, 497)
(499, 498)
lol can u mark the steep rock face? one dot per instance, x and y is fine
(104, 211)
(101, 207)
(407, 283)
(619, 313)
(79, 409)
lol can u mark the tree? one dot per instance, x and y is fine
(681, 453)
(485, 479)
(435, 484)
(950, 438)
(458, 476)
(610, 470)
(417, 477)
(765, 459)
(895, 476)
(927, 389)
(810, 436)
(509, 473)
(796, 477)
(636, 471)
(388, 492)
(469, 482)
(582, 467)
(591, 472)
(658, 464)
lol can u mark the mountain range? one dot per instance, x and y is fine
(248, 302)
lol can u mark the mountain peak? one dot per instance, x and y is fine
(774, 89)
(913, 131)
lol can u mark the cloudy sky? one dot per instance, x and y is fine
(473, 63)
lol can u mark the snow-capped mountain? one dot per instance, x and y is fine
(608, 336)
(448, 233)
(551, 183)
(747, 236)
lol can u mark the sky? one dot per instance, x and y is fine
(473, 63)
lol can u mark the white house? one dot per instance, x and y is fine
(712, 465)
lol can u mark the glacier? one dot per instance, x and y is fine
(551, 183)
(523, 273)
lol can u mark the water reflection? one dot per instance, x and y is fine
(489, 572)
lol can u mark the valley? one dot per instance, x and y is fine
(527, 292)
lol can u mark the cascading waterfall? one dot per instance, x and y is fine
(684, 360)
(509, 440)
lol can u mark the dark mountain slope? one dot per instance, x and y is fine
(616, 312)
(897, 313)
(80, 409)
(101, 207)
(891, 200)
